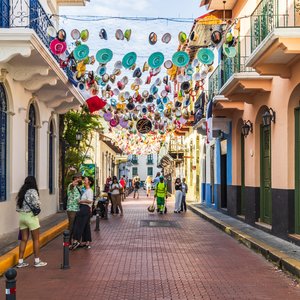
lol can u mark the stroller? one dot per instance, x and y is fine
(102, 204)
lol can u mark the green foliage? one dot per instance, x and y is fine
(75, 153)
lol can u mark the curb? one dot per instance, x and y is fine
(10, 259)
(281, 260)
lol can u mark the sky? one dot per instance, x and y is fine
(140, 29)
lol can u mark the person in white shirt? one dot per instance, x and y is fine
(115, 190)
(82, 228)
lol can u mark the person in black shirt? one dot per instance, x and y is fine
(136, 186)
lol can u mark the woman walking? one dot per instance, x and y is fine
(27, 203)
(82, 227)
(178, 195)
(115, 190)
(148, 185)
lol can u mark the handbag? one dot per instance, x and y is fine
(35, 210)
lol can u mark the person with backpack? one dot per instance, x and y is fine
(73, 196)
(161, 194)
(137, 184)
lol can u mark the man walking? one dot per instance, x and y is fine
(136, 187)
(161, 194)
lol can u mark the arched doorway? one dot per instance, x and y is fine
(294, 109)
(31, 143)
(265, 203)
(3, 142)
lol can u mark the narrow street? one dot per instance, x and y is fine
(184, 258)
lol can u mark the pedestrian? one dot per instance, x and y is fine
(74, 194)
(27, 203)
(115, 190)
(184, 192)
(178, 195)
(123, 184)
(136, 186)
(148, 185)
(161, 195)
(156, 179)
(82, 228)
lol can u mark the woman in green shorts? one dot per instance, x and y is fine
(27, 199)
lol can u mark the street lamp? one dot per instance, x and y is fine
(268, 117)
(246, 128)
(78, 137)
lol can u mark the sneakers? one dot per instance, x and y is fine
(40, 264)
(75, 245)
(22, 265)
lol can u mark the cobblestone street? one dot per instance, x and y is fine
(135, 257)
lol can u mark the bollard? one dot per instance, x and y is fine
(10, 290)
(66, 244)
(97, 219)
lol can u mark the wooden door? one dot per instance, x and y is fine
(242, 206)
(297, 170)
(265, 176)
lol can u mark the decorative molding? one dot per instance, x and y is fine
(3, 73)
(9, 52)
(57, 102)
(37, 82)
(27, 72)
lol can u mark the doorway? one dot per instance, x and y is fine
(297, 170)
(265, 175)
(242, 199)
(224, 174)
(212, 173)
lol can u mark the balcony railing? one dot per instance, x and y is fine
(229, 66)
(134, 161)
(270, 14)
(150, 162)
(27, 14)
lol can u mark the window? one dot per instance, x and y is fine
(150, 159)
(3, 142)
(134, 171)
(134, 159)
(31, 140)
(51, 157)
(150, 171)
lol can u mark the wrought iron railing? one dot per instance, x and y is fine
(230, 66)
(4, 13)
(270, 14)
(150, 162)
(28, 14)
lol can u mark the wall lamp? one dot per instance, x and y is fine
(268, 117)
(247, 128)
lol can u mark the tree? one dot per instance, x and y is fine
(75, 152)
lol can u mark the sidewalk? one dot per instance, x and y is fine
(284, 254)
(50, 228)
(151, 256)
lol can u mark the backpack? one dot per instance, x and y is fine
(137, 184)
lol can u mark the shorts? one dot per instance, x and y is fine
(28, 220)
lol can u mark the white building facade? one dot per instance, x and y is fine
(34, 90)
(143, 166)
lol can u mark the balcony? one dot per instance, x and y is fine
(232, 80)
(275, 39)
(150, 162)
(26, 56)
(135, 161)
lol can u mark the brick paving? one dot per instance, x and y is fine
(128, 260)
